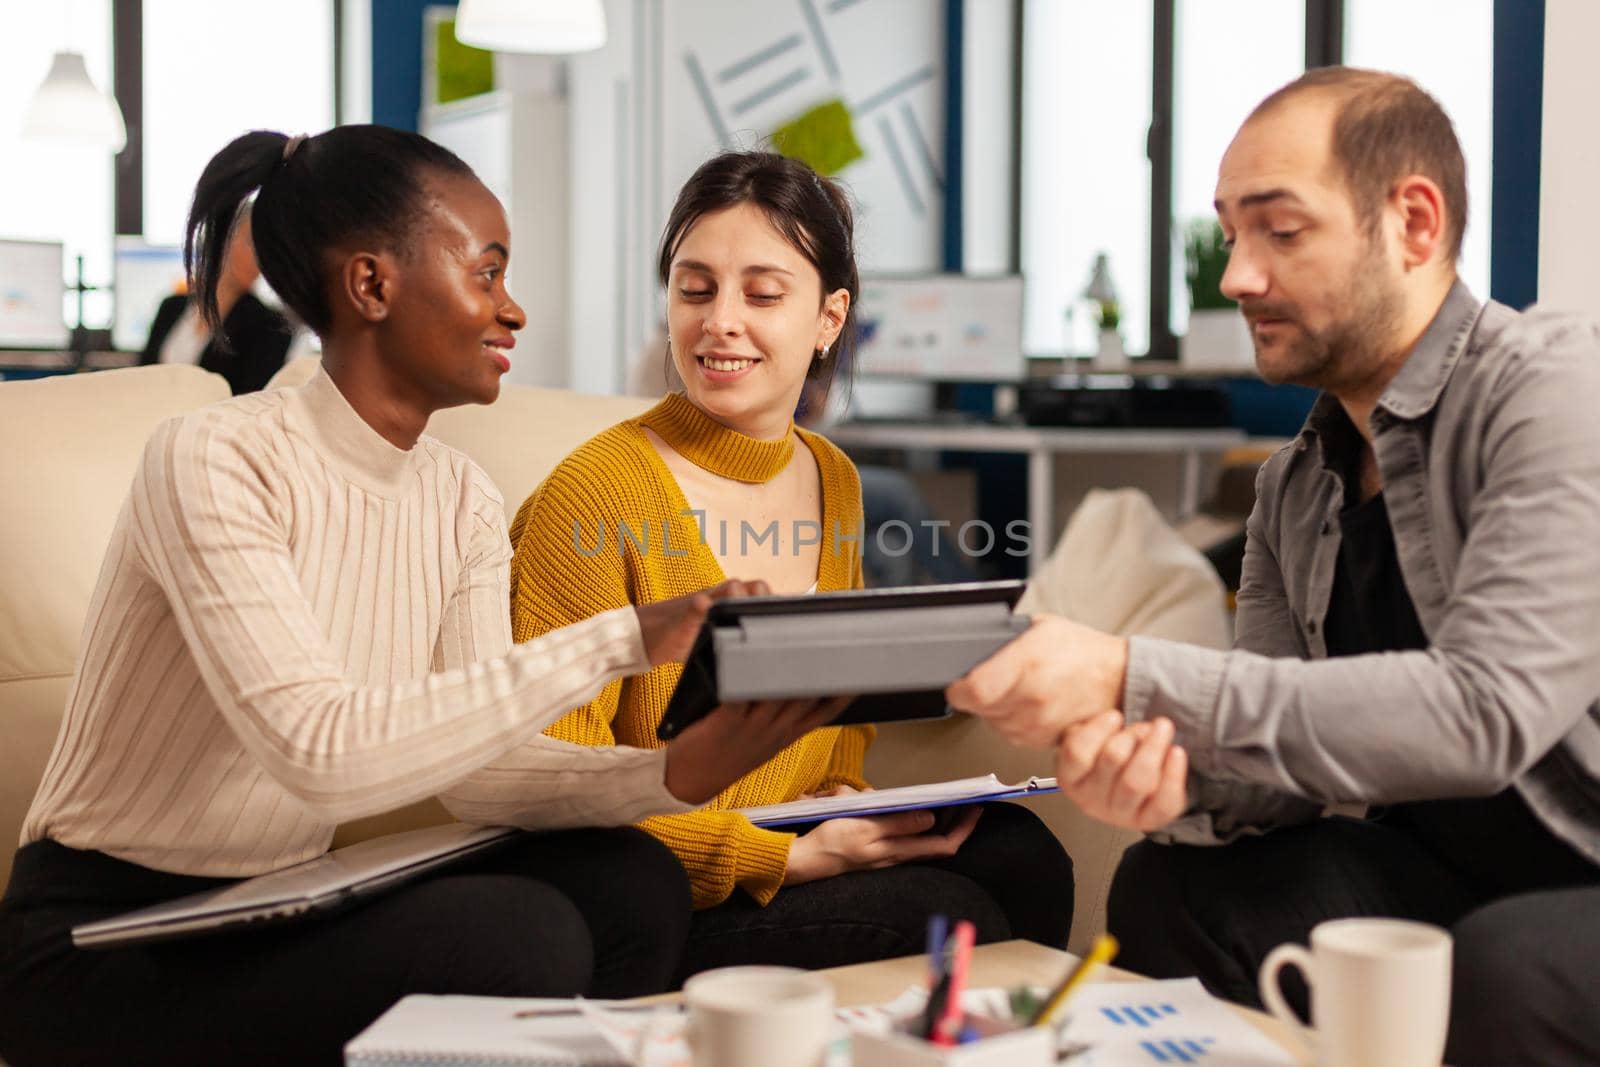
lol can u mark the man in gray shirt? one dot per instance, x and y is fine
(1419, 612)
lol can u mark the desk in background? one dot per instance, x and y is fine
(1042, 445)
(37, 363)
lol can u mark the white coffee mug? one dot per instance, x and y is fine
(773, 1016)
(1380, 992)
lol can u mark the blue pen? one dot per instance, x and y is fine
(938, 932)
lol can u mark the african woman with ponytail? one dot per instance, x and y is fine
(301, 619)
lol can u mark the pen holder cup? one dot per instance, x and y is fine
(999, 1044)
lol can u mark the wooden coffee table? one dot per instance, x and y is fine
(1008, 963)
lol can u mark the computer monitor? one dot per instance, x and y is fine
(144, 275)
(32, 292)
(941, 327)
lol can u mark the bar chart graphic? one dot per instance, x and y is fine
(1138, 1014)
(1164, 1023)
(1184, 1050)
(1163, 1049)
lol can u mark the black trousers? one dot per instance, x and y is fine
(603, 912)
(1011, 878)
(1524, 909)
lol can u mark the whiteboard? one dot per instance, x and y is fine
(733, 71)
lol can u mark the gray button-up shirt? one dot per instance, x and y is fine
(1488, 444)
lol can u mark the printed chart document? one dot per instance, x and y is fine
(1169, 1022)
(903, 798)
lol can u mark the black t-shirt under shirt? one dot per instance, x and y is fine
(1369, 609)
(1496, 842)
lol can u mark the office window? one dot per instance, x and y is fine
(1093, 83)
(1450, 53)
(52, 192)
(1085, 176)
(1228, 55)
(214, 69)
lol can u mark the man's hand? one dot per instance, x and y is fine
(735, 739)
(871, 842)
(1056, 673)
(1132, 777)
(669, 626)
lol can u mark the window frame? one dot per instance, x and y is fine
(1324, 47)
(127, 75)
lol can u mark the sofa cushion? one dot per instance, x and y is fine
(68, 449)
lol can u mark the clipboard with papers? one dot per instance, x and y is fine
(960, 792)
(895, 650)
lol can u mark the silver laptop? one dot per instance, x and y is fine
(327, 883)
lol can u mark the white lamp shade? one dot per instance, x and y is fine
(68, 107)
(540, 26)
(1100, 287)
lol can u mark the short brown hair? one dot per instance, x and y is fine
(1386, 128)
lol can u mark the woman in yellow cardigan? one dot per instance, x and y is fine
(758, 258)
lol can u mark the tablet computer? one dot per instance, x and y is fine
(894, 649)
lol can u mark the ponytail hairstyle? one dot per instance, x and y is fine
(312, 194)
(811, 212)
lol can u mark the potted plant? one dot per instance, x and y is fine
(1218, 337)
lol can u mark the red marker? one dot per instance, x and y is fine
(948, 1028)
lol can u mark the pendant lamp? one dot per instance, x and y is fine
(537, 26)
(68, 107)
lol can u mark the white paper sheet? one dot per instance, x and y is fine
(1163, 1024)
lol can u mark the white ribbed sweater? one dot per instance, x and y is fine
(298, 624)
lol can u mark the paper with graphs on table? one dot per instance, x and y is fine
(1167, 1022)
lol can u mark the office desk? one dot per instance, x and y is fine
(32, 362)
(1042, 444)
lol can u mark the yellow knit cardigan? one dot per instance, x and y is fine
(562, 573)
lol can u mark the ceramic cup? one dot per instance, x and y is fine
(1380, 992)
(773, 1016)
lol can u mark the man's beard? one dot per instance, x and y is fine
(1348, 348)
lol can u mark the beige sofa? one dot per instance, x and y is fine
(67, 452)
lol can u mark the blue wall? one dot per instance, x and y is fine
(1518, 125)
(397, 60)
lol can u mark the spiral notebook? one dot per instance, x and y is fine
(467, 1031)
